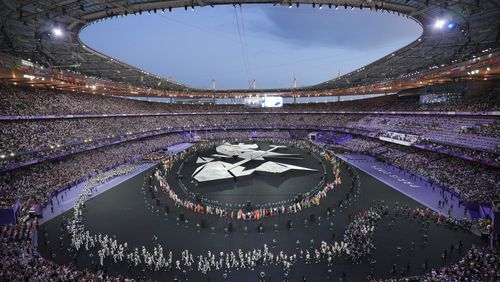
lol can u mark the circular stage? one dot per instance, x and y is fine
(261, 181)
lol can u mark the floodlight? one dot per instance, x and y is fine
(57, 32)
(439, 24)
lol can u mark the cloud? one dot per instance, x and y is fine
(349, 29)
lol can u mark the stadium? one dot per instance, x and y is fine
(388, 171)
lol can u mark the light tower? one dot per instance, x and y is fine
(213, 89)
(294, 86)
(213, 83)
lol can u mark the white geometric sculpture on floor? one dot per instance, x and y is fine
(204, 160)
(248, 151)
(219, 170)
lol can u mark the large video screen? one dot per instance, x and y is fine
(264, 102)
(254, 102)
(272, 102)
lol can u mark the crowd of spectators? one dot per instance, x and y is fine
(26, 140)
(21, 262)
(47, 137)
(459, 152)
(30, 101)
(243, 135)
(479, 264)
(360, 144)
(31, 139)
(33, 183)
(489, 101)
(475, 182)
(465, 131)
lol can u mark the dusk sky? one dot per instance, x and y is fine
(277, 43)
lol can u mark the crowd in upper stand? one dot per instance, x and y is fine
(460, 152)
(475, 132)
(29, 101)
(414, 123)
(475, 182)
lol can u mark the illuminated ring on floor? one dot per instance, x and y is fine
(289, 206)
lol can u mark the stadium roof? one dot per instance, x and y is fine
(47, 32)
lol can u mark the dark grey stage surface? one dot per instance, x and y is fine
(132, 216)
(259, 188)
